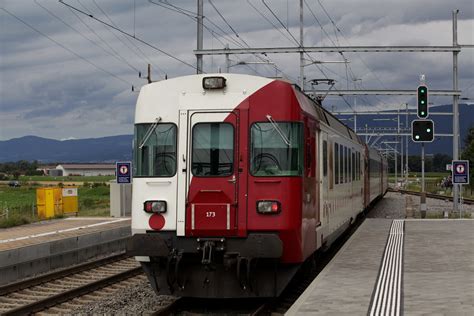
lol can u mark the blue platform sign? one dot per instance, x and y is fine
(461, 171)
(123, 172)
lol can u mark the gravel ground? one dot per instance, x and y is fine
(138, 299)
(397, 205)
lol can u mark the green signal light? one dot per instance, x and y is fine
(428, 130)
(422, 102)
(422, 112)
(417, 137)
(422, 90)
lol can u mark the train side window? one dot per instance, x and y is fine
(155, 149)
(336, 163)
(346, 165)
(349, 166)
(357, 172)
(353, 167)
(360, 164)
(325, 158)
(342, 158)
(331, 165)
(277, 149)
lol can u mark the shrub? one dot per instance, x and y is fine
(14, 221)
(87, 202)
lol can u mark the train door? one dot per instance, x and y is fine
(212, 173)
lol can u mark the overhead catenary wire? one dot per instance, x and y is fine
(222, 34)
(306, 53)
(130, 35)
(143, 56)
(360, 58)
(113, 52)
(269, 21)
(348, 67)
(244, 43)
(66, 48)
(80, 33)
(227, 23)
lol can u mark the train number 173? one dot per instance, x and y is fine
(210, 214)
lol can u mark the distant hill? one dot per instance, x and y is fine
(113, 148)
(104, 149)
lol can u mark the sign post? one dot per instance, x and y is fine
(460, 170)
(123, 172)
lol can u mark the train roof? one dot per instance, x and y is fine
(183, 91)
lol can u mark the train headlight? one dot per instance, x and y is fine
(155, 206)
(213, 82)
(268, 207)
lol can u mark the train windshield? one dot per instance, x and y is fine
(213, 149)
(155, 150)
(276, 149)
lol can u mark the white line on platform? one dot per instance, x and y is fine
(387, 296)
(63, 230)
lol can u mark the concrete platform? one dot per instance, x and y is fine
(43, 246)
(425, 267)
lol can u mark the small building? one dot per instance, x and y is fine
(86, 169)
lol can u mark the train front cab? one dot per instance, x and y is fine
(231, 178)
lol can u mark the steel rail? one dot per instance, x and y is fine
(21, 285)
(71, 294)
(432, 195)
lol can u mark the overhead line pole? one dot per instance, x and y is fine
(406, 147)
(200, 38)
(301, 45)
(455, 107)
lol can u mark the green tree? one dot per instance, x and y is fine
(468, 154)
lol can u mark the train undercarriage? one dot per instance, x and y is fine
(213, 267)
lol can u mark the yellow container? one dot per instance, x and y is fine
(70, 200)
(49, 202)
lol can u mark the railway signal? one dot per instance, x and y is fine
(422, 101)
(422, 130)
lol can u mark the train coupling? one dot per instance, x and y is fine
(208, 246)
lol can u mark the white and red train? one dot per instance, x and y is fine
(238, 180)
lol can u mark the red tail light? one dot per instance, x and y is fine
(268, 207)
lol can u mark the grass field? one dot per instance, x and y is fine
(93, 201)
(68, 178)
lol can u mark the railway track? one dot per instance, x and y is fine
(253, 307)
(65, 290)
(432, 195)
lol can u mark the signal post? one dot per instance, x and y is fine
(422, 131)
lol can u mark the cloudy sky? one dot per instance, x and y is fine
(64, 75)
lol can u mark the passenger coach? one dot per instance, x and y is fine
(238, 180)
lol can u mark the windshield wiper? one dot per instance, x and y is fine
(150, 131)
(279, 131)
